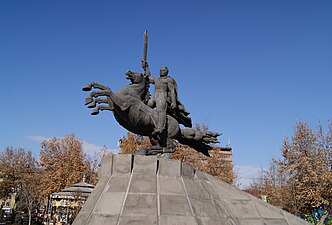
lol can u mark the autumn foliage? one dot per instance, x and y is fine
(215, 165)
(19, 174)
(132, 142)
(301, 181)
(63, 163)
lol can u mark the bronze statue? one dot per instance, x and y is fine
(133, 110)
(165, 99)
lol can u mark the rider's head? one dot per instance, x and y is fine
(163, 71)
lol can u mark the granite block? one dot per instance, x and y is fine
(101, 219)
(268, 211)
(204, 208)
(174, 205)
(170, 185)
(199, 175)
(106, 165)
(201, 190)
(190, 187)
(118, 183)
(187, 171)
(221, 208)
(143, 183)
(121, 164)
(145, 164)
(241, 208)
(138, 220)
(226, 191)
(170, 168)
(110, 203)
(253, 221)
(215, 221)
(210, 189)
(178, 220)
(140, 204)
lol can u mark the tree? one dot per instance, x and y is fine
(63, 163)
(215, 165)
(309, 179)
(132, 142)
(301, 181)
(270, 184)
(20, 174)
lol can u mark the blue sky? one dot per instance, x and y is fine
(248, 69)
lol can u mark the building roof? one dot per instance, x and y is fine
(78, 189)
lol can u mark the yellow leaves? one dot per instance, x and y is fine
(132, 143)
(216, 165)
(304, 172)
(19, 173)
(64, 163)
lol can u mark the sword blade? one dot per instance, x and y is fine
(145, 52)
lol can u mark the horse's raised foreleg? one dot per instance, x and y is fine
(111, 97)
(100, 101)
(100, 108)
(95, 94)
(88, 87)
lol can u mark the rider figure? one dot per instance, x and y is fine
(165, 95)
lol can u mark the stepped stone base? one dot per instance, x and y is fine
(145, 190)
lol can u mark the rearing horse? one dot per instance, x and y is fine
(132, 113)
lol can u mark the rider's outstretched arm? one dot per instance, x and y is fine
(146, 68)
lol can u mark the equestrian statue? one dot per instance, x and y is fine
(158, 117)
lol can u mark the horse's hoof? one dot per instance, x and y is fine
(95, 112)
(87, 87)
(88, 100)
(92, 104)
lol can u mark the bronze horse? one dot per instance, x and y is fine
(132, 113)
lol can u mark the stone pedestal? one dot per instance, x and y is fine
(145, 190)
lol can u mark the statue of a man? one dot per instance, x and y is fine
(165, 99)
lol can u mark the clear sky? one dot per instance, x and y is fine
(248, 69)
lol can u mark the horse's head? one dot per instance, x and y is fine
(134, 77)
(139, 83)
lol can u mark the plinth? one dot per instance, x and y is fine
(146, 190)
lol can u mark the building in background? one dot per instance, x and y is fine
(65, 205)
